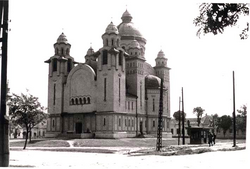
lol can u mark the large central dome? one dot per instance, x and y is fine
(127, 28)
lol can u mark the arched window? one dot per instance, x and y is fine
(120, 58)
(57, 51)
(72, 101)
(104, 57)
(80, 100)
(54, 64)
(69, 65)
(67, 51)
(54, 96)
(88, 100)
(112, 42)
(62, 51)
(153, 104)
(104, 121)
(107, 42)
(76, 101)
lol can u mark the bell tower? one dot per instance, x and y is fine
(59, 67)
(162, 71)
(111, 72)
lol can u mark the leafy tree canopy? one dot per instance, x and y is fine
(241, 120)
(177, 114)
(214, 17)
(199, 112)
(26, 111)
(225, 122)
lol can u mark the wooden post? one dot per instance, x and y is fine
(4, 121)
(179, 135)
(183, 122)
(234, 118)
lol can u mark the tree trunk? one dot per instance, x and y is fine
(26, 138)
(30, 136)
(198, 120)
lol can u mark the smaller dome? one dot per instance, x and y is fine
(135, 44)
(126, 16)
(111, 29)
(90, 51)
(152, 82)
(161, 54)
(62, 39)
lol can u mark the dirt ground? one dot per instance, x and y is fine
(128, 153)
(220, 159)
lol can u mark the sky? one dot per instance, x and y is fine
(202, 66)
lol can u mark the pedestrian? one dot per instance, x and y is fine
(214, 137)
(210, 139)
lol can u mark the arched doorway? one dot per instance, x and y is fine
(78, 127)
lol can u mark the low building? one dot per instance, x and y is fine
(206, 121)
(19, 132)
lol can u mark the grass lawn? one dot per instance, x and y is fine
(126, 142)
(41, 143)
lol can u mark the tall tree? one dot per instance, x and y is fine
(225, 122)
(242, 118)
(215, 17)
(199, 112)
(177, 114)
(26, 111)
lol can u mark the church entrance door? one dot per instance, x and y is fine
(78, 128)
(141, 129)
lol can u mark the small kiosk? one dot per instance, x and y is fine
(198, 135)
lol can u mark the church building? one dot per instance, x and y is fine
(114, 94)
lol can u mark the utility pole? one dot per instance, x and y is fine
(159, 132)
(4, 121)
(183, 127)
(179, 134)
(234, 118)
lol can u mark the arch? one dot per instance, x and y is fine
(80, 100)
(54, 64)
(61, 51)
(88, 100)
(112, 42)
(69, 65)
(104, 121)
(84, 100)
(104, 57)
(76, 100)
(120, 58)
(72, 101)
(117, 42)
